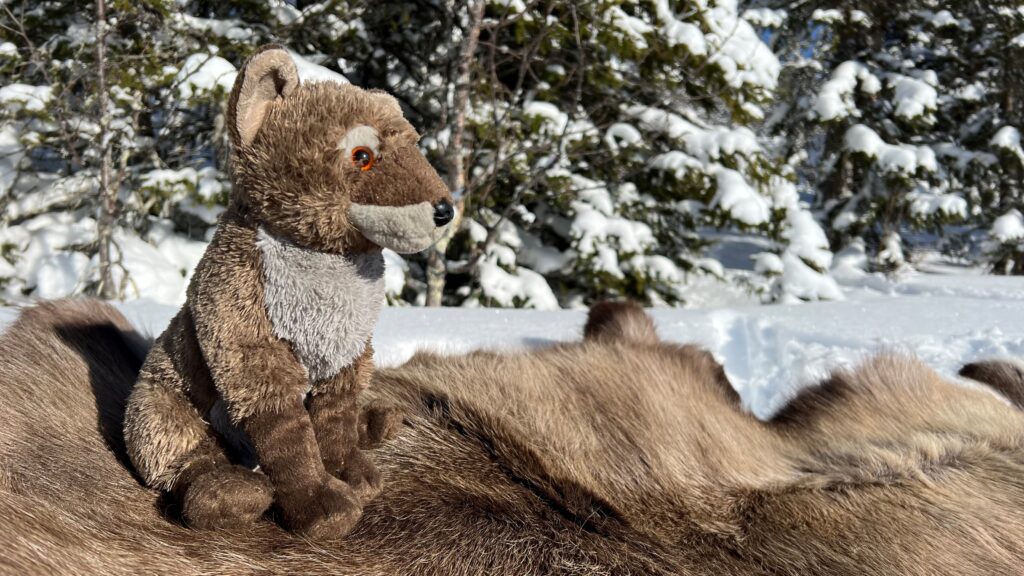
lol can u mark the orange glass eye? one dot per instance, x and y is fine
(363, 158)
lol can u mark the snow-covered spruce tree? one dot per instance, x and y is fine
(602, 139)
(595, 142)
(903, 118)
(75, 115)
(168, 69)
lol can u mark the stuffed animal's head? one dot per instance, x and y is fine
(330, 166)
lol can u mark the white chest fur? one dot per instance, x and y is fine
(324, 305)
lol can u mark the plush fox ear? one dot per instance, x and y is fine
(267, 75)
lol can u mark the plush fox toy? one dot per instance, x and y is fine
(250, 396)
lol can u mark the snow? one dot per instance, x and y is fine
(228, 29)
(11, 154)
(913, 98)
(851, 263)
(396, 269)
(892, 250)
(207, 214)
(903, 158)
(860, 17)
(554, 118)
(43, 265)
(285, 13)
(835, 100)
(594, 228)
(523, 287)
(738, 50)
(769, 352)
(23, 96)
(765, 17)
(768, 264)
(800, 282)
(515, 6)
(311, 71)
(150, 272)
(739, 199)
(623, 133)
(676, 162)
(1008, 227)
(203, 72)
(964, 157)
(806, 239)
(827, 16)
(940, 19)
(707, 144)
(680, 33)
(923, 203)
(208, 182)
(632, 27)
(1008, 138)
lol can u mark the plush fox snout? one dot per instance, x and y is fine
(404, 229)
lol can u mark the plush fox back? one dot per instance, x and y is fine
(619, 454)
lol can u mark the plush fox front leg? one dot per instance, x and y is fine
(337, 419)
(378, 424)
(311, 500)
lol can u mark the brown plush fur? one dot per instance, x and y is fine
(615, 455)
(292, 181)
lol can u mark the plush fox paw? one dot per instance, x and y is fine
(226, 497)
(378, 424)
(328, 512)
(362, 475)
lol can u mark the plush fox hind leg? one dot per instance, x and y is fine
(190, 461)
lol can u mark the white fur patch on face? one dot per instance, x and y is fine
(360, 136)
(404, 229)
(325, 305)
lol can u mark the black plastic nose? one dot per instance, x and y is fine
(443, 213)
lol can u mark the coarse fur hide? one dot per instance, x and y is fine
(618, 454)
(265, 360)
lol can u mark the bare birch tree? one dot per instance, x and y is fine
(456, 152)
(107, 193)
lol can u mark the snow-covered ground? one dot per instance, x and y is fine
(769, 351)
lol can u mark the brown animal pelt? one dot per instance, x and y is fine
(619, 454)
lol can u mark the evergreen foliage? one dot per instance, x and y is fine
(607, 145)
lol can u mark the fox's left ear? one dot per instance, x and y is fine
(268, 75)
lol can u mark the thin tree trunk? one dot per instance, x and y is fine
(108, 195)
(436, 262)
